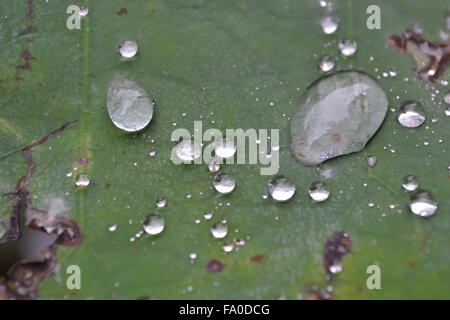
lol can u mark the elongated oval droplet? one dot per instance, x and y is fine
(337, 115)
(129, 106)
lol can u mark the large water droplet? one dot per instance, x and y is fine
(129, 106)
(154, 224)
(281, 189)
(319, 192)
(219, 230)
(224, 183)
(187, 150)
(329, 24)
(326, 63)
(411, 114)
(422, 205)
(225, 148)
(128, 49)
(348, 47)
(337, 115)
(410, 183)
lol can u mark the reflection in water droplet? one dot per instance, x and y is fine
(410, 183)
(187, 150)
(219, 230)
(129, 106)
(128, 48)
(371, 161)
(213, 166)
(281, 189)
(154, 224)
(319, 192)
(161, 202)
(112, 227)
(225, 148)
(348, 47)
(411, 114)
(329, 24)
(224, 183)
(326, 63)
(422, 205)
(82, 180)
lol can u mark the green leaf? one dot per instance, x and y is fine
(222, 62)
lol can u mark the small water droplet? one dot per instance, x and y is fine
(329, 24)
(83, 11)
(152, 153)
(410, 183)
(319, 192)
(326, 64)
(371, 161)
(224, 183)
(225, 148)
(208, 215)
(154, 224)
(348, 47)
(447, 111)
(193, 256)
(219, 230)
(281, 189)
(129, 106)
(161, 202)
(447, 98)
(228, 246)
(411, 114)
(213, 166)
(187, 150)
(112, 227)
(422, 205)
(128, 49)
(82, 180)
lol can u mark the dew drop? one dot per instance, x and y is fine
(112, 227)
(129, 106)
(319, 192)
(128, 49)
(281, 189)
(208, 215)
(187, 150)
(224, 183)
(154, 224)
(411, 114)
(326, 63)
(193, 256)
(447, 98)
(161, 202)
(228, 246)
(213, 166)
(371, 161)
(422, 205)
(82, 180)
(337, 115)
(225, 148)
(410, 183)
(348, 47)
(329, 24)
(83, 11)
(447, 111)
(219, 230)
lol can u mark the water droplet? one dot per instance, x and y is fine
(213, 166)
(161, 202)
(329, 24)
(281, 189)
(411, 114)
(371, 161)
(128, 48)
(410, 183)
(83, 11)
(112, 227)
(228, 246)
(348, 47)
(208, 215)
(225, 148)
(319, 192)
(219, 230)
(447, 98)
(224, 183)
(422, 205)
(82, 180)
(193, 256)
(187, 150)
(335, 268)
(154, 224)
(447, 111)
(337, 115)
(129, 106)
(152, 153)
(326, 63)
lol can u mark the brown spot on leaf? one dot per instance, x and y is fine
(28, 30)
(122, 11)
(214, 265)
(258, 258)
(432, 58)
(336, 247)
(27, 57)
(30, 10)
